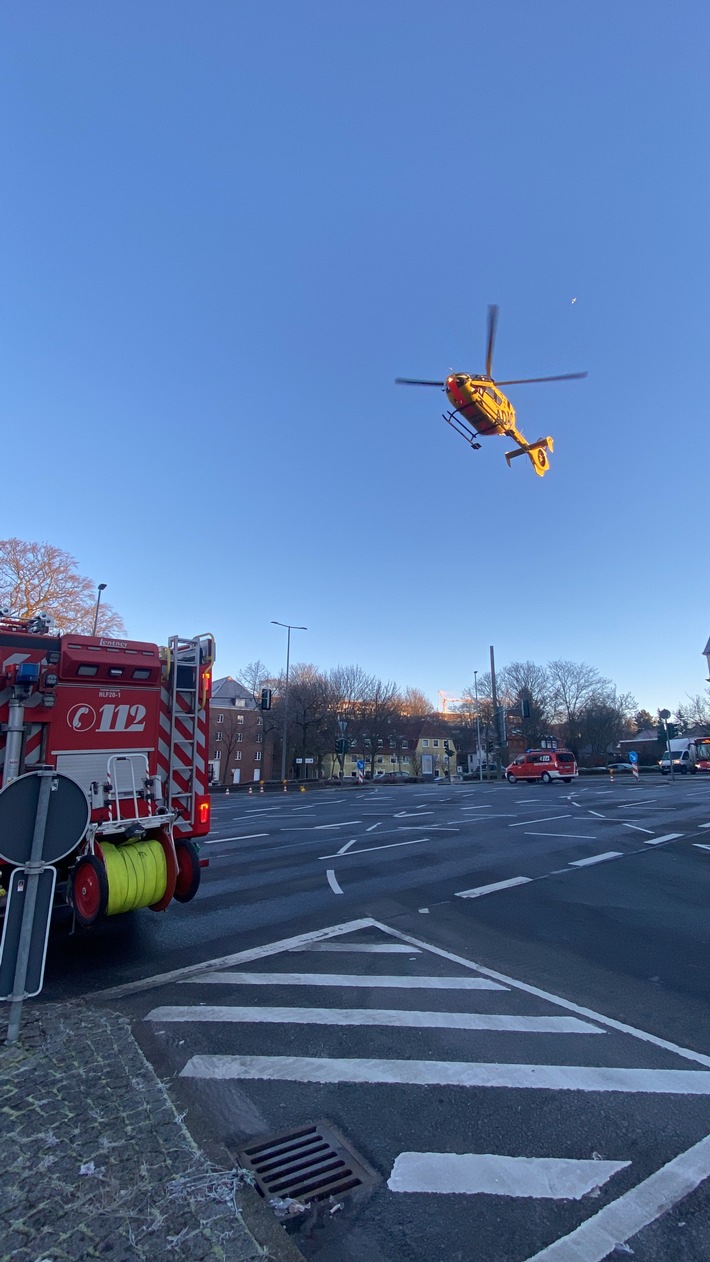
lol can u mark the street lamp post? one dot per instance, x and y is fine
(478, 728)
(289, 629)
(101, 588)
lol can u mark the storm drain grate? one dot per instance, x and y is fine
(308, 1164)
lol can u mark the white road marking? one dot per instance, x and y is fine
(631, 806)
(240, 957)
(597, 813)
(703, 825)
(372, 826)
(699, 845)
(367, 849)
(411, 814)
(491, 889)
(638, 829)
(244, 837)
(577, 836)
(553, 1178)
(546, 819)
(373, 1016)
(376, 948)
(487, 807)
(345, 979)
(596, 858)
(333, 882)
(687, 1053)
(615, 1224)
(345, 824)
(450, 1073)
(344, 849)
(656, 841)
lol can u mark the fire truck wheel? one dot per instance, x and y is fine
(188, 876)
(89, 890)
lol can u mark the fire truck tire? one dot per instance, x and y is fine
(171, 869)
(89, 890)
(188, 875)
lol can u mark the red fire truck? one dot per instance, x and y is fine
(129, 722)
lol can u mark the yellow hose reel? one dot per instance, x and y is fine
(137, 875)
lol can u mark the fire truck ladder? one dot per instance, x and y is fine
(188, 658)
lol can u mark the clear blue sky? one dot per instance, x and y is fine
(226, 228)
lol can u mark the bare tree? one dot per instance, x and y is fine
(41, 578)
(604, 721)
(415, 704)
(572, 686)
(254, 676)
(378, 716)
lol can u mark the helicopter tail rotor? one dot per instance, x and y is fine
(537, 453)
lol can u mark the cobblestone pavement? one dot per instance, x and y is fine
(96, 1163)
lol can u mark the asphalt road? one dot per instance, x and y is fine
(499, 989)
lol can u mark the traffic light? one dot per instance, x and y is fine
(447, 751)
(341, 745)
(670, 730)
(525, 708)
(266, 698)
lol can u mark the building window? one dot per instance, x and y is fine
(217, 755)
(405, 759)
(380, 742)
(405, 744)
(380, 760)
(257, 756)
(238, 755)
(240, 736)
(260, 736)
(393, 743)
(220, 718)
(218, 737)
(240, 718)
(425, 744)
(436, 744)
(392, 758)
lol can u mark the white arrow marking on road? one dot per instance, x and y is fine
(390, 845)
(553, 1178)
(699, 845)
(333, 882)
(656, 841)
(491, 889)
(345, 979)
(444, 1073)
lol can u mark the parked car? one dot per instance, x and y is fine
(621, 766)
(391, 777)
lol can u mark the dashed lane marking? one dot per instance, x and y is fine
(479, 890)
(656, 841)
(596, 858)
(332, 881)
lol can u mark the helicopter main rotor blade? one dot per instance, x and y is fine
(414, 381)
(492, 324)
(527, 381)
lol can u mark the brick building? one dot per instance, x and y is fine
(238, 753)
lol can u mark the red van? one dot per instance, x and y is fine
(543, 764)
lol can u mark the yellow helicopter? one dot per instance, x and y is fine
(479, 407)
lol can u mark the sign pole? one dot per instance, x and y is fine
(33, 868)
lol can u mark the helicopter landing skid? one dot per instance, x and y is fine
(452, 419)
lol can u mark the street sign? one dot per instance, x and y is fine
(361, 764)
(67, 818)
(9, 945)
(633, 756)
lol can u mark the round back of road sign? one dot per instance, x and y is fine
(67, 818)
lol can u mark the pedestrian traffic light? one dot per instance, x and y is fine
(266, 698)
(670, 730)
(447, 751)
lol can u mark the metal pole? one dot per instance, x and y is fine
(101, 588)
(478, 728)
(33, 869)
(289, 628)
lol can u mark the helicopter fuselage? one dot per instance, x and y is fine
(481, 404)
